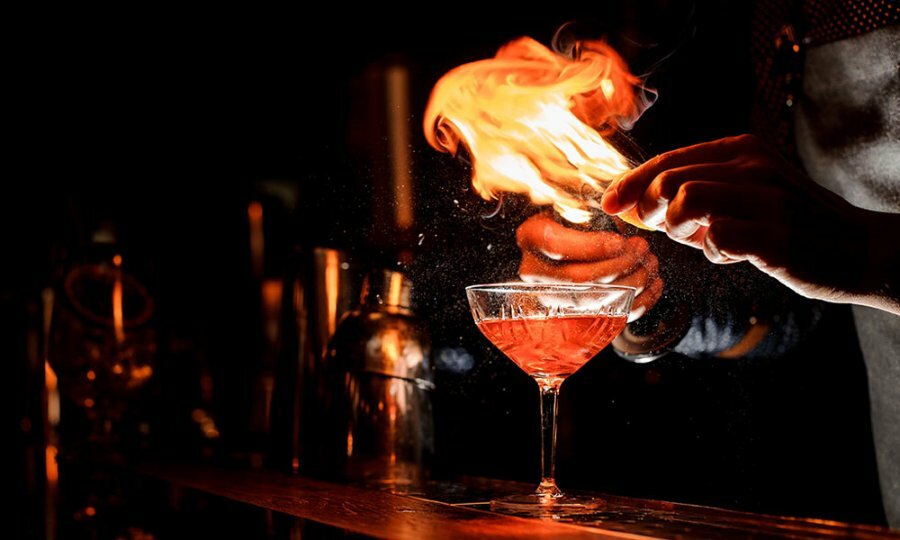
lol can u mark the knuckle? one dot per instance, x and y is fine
(664, 159)
(689, 195)
(639, 242)
(684, 197)
(674, 217)
(688, 189)
(666, 182)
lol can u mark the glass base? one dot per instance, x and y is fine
(540, 505)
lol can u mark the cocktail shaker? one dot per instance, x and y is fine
(380, 376)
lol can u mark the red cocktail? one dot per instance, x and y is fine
(550, 331)
(552, 347)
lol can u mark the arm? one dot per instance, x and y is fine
(712, 310)
(739, 312)
(737, 200)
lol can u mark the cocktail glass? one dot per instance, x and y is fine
(549, 330)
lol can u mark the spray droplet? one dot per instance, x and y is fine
(490, 246)
(456, 202)
(345, 266)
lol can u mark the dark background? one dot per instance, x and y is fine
(164, 123)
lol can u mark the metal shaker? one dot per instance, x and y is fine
(381, 377)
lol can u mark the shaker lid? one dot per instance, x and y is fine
(389, 289)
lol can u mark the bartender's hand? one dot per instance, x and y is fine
(737, 199)
(554, 252)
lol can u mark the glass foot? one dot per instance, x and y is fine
(539, 505)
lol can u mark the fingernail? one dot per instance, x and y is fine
(548, 233)
(711, 251)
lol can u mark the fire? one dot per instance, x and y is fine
(533, 121)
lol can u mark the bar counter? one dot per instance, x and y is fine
(460, 509)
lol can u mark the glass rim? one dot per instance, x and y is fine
(512, 286)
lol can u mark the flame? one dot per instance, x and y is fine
(526, 116)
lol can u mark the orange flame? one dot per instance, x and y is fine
(526, 118)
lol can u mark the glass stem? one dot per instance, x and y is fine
(549, 395)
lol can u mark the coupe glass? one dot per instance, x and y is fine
(549, 330)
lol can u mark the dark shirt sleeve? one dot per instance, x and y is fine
(739, 312)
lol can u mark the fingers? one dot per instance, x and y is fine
(728, 240)
(645, 279)
(642, 275)
(542, 235)
(729, 223)
(553, 252)
(698, 204)
(626, 192)
(636, 255)
(648, 298)
(651, 205)
(537, 268)
(636, 267)
(637, 279)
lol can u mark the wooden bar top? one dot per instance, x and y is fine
(460, 510)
